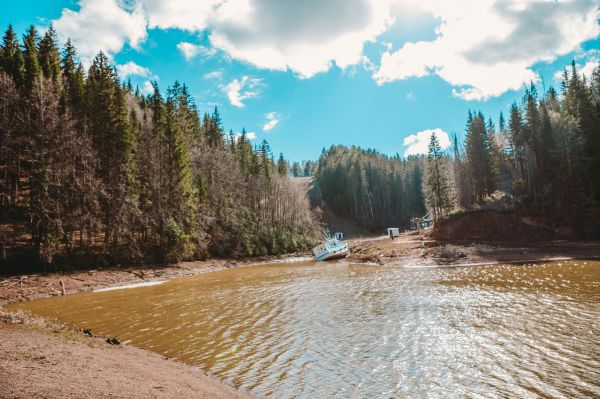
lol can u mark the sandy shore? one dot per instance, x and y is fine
(42, 359)
(38, 362)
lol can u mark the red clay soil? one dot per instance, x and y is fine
(496, 226)
(39, 363)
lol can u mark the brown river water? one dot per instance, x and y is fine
(306, 330)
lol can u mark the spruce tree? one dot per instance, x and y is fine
(12, 58)
(438, 187)
(31, 59)
(48, 55)
(282, 167)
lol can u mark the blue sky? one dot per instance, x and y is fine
(306, 75)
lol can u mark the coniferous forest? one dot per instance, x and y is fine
(95, 172)
(369, 188)
(543, 160)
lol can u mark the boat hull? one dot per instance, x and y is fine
(329, 252)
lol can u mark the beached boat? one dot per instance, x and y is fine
(332, 248)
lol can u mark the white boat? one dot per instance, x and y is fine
(332, 248)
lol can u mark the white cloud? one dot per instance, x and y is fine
(488, 47)
(588, 68)
(303, 36)
(482, 48)
(213, 75)
(249, 136)
(148, 88)
(418, 143)
(190, 50)
(591, 59)
(131, 69)
(239, 90)
(100, 25)
(272, 121)
(183, 14)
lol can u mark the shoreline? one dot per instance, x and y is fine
(45, 351)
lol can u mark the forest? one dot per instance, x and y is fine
(371, 189)
(92, 171)
(544, 160)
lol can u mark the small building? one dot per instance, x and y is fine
(393, 232)
(420, 223)
(339, 235)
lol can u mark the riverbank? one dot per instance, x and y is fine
(414, 249)
(37, 286)
(410, 249)
(39, 359)
(64, 362)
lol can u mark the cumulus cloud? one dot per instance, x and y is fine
(418, 143)
(148, 88)
(242, 89)
(591, 60)
(272, 121)
(304, 36)
(190, 50)
(482, 48)
(488, 47)
(133, 69)
(183, 14)
(101, 25)
(249, 136)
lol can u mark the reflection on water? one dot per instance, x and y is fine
(338, 330)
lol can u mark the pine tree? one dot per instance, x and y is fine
(30, 55)
(480, 168)
(49, 57)
(12, 58)
(282, 167)
(438, 187)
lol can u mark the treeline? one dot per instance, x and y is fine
(92, 170)
(546, 157)
(302, 169)
(370, 188)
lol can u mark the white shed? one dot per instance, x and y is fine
(393, 232)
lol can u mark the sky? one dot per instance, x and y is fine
(304, 75)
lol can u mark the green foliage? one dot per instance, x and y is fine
(438, 186)
(106, 174)
(548, 157)
(370, 188)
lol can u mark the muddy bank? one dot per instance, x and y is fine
(414, 249)
(36, 286)
(45, 361)
(511, 226)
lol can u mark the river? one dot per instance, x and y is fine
(340, 330)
